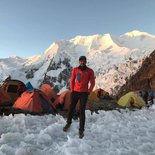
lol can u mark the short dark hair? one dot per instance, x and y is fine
(82, 58)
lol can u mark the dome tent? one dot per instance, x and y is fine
(131, 98)
(35, 102)
(11, 87)
(5, 99)
(50, 92)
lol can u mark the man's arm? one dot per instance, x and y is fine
(72, 80)
(92, 81)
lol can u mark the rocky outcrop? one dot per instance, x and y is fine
(62, 79)
(144, 77)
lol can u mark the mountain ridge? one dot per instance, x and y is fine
(113, 59)
(144, 78)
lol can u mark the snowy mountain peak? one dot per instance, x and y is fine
(137, 33)
(51, 50)
(84, 40)
(94, 42)
(113, 59)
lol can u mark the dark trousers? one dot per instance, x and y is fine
(151, 99)
(145, 100)
(75, 97)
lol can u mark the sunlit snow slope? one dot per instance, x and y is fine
(113, 58)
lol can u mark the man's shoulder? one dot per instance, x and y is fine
(75, 68)
(90, 69)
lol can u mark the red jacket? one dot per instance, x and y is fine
(80, 80)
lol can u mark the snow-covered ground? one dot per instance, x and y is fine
(107, 133)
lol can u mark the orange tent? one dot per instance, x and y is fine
(64, 99)
(12, 87)
(50, 93)
(4, 98)
(34, 101)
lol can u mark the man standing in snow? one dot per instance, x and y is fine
(79, 84)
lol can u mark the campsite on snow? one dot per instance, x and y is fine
(37, 89)
(121, 64)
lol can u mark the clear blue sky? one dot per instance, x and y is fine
(28, 27)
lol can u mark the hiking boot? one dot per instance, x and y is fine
(66, 127)
(96, 111)
(81, 134)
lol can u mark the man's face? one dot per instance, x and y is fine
(82, 62)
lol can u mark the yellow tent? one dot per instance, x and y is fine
(93, 96)
(103, 92)
(131, 98)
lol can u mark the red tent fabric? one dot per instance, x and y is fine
(34, 101)
(12, 87)
(64, 99)
(50, 93)
(4, 98)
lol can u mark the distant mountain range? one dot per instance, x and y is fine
(114, 60)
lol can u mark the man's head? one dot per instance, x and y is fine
(82, 60)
